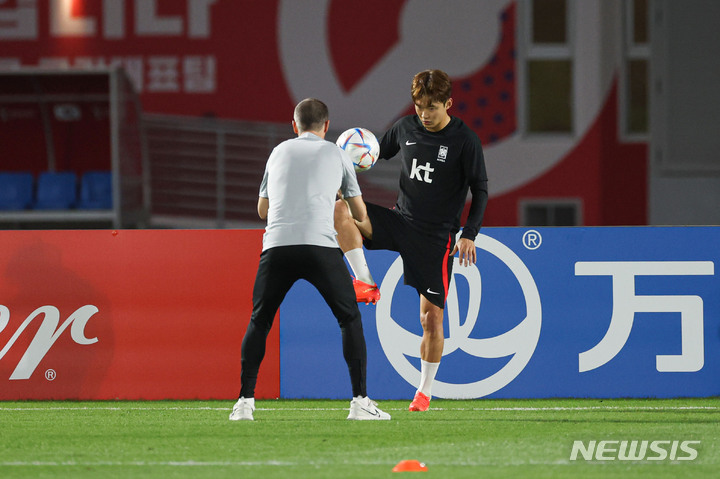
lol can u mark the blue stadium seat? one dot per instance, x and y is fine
(96, 190)
(16, 190)
(56, 191)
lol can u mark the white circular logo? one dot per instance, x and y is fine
(380, 95)
(519, 342)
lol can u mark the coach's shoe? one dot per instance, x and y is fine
(364, 409)
(243, 410)
(366, 293)
(420, 402)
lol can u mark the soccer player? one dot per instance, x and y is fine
(297, 197)
(441, 159)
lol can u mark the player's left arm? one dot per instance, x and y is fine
(477, 180)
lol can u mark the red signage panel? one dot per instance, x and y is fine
(128, 314)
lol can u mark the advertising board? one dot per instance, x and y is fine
(551, 312)
(128, 314)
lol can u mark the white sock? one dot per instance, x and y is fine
(356, 259)
(427, 376)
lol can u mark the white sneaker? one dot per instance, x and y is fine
(363, 409)
(243, 410)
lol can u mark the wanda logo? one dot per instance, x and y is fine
(47, 334)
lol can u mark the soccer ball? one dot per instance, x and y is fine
(361, 145)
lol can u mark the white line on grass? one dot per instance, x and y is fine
(112, 408)
(144, 463)
(500, 409)
(584, 408)
(313, 463)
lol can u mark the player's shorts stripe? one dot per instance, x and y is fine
(446, 280)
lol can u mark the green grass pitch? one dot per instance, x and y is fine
(312, 438)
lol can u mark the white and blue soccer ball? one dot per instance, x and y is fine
(362, 147)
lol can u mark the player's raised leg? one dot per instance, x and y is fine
(350, 240)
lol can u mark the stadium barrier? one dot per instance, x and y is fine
(127, 314)
(549, 312)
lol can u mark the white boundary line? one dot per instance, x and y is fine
(279, 409)
(145, 463)
(488, 463)
(311, 463)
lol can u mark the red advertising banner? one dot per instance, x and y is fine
(241, 59)
(128, 314)
(195, 57)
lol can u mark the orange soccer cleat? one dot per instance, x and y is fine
(366, 293)
(420, 402)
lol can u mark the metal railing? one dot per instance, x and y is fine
(208, 171)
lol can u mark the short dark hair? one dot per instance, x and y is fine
(311, 115)
(434, 85)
